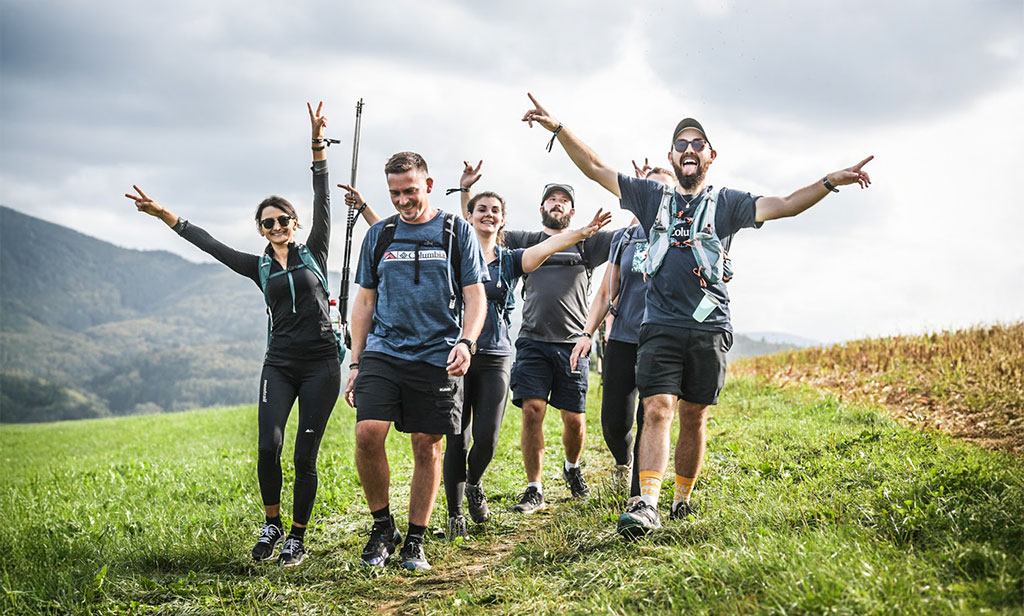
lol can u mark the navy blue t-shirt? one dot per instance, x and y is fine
(630, 302)
(413, 321)
(494, 338)
(674, 292)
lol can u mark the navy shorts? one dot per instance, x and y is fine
(542, 371)
(413, 395)
(688, 363)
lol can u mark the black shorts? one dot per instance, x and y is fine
(542, 371)
(414, 395)
(688, 363)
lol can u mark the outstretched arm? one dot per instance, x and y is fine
(584, 158)
(146, 205)
(470, 175)
(770, 208)
(319, 122)
(537, 254)
(355, 201)
(598, 311)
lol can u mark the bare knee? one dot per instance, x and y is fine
(426, 448)
(370, 438)
(534, 410)
(658, 410)
(692, 416)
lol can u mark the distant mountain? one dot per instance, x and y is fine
(747, 345)
(90, 329)
(783, 338)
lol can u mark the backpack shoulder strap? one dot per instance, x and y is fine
(310, 262)
(264, 270)
(387, 233)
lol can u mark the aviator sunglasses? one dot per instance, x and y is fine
(283, 220)
(681, 144)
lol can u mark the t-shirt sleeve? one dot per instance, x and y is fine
(515, 239)
(474, 269)
(517, 262)
(365, 275)
(736, 210)
(640, 196)
(617, 236)
(598, 246)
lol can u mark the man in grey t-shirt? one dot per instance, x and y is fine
(686, 332)
(554, 314)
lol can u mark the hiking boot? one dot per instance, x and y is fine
(413, 558)
(638, 518)
(384, 540)
(270, 534)
(456, 528)
(477, 502)
(529, 501)
(622, 474)
(680, 511)
(292, 552)
(577, 484)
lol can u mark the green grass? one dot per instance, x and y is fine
(805, 505)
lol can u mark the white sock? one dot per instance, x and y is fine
(535, 484)
(570, 465)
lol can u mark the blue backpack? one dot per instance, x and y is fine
(308, 261)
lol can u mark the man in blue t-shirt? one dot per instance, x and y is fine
(415, 320)
(686, 330)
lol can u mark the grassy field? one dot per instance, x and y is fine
(806, 505)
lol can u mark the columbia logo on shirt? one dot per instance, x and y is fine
(430, 254)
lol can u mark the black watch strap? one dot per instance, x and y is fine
(471, 344)
(828, 184)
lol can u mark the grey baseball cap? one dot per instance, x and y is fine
(550, 188)
(686, 123)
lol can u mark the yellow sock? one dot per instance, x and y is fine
(684, 485)
(650, 487)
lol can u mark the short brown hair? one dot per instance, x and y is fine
(661, 170)
(405, 161)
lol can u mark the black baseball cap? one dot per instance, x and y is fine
(689, 123)
(550, 188)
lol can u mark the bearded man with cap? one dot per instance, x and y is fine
(554, 316)
(686, 331)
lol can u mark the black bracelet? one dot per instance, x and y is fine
(354, 365)
(455, 190)
(554, 134)
(591, 336)
(319, 149)
(828, 184)
(361, 208)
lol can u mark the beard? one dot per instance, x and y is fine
(555, 223)
(689, 182)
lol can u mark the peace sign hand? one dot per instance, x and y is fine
(316, 120)
(851, 175)
(470, 174)
(539, 115)
(144, 204)
(601, 219)
(641, 172)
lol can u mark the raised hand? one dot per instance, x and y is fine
(145, 204)
(539, 115)
(601, 219)
(470, 174)
(851, 175)
(641, 172)
(352, 198)
(318, 122)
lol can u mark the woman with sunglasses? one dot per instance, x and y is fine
(302, 352)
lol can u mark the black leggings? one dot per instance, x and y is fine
(486, 392)
(619, 406)
(316, 384)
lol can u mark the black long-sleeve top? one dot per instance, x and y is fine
(302, 332)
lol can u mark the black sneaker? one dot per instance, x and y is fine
(413, 557)
(577, 484)
(270, 534)
(292, 552)
(529, 501)
(638, 518)
(680, 511)
(456, 528)
(384, 540)
(477, 503)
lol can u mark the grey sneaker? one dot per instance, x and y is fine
(413, 557)
(529, 501)
(680, 511)
(456, 528)
(384, 540)
(638, 518)
(477, 502)
(292, 552)
(577, 484)
(270, 535)
(622, 474)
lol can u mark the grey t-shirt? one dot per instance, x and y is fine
(674, 292)
(630, 302)
(555, 294)
(413, 320)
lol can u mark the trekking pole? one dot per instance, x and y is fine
(346, 271)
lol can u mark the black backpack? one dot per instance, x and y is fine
(558, 258)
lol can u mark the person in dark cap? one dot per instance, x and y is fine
(686, 331)
(554, 314)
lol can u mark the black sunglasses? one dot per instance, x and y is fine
(681, 144)
(283, 220)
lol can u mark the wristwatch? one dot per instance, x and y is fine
(471, 344)
(828, 184)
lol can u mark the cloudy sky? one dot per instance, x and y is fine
(203, 105)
